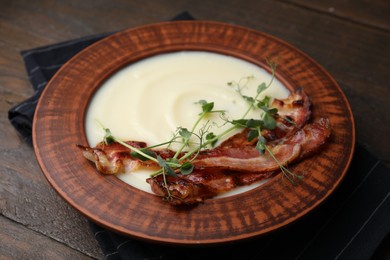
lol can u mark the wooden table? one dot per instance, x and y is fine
(351, 39)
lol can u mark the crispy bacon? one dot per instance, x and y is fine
(238, 154)
(296, 108)
(293, 114)
(247, 158)
(214, 173)
(200, 185)
(112, 158)
(193, 188)
(213, 178)
(233, 163)
(311, 138)
(115, 158)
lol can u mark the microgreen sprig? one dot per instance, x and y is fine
(286, 173)
(266, 121)
(207, 108)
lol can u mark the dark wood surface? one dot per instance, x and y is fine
(349, 38)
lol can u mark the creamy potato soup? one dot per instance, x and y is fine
(148, 100)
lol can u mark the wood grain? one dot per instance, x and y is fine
(19, 242)
(344, 42)
(28, 200)
(59, 126)
(372, 13)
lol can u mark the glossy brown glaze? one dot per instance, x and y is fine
(59, 126)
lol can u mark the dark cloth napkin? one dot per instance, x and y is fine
(350, 224)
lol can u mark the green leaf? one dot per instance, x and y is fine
(161, 161)
(183, 132)
(140, 156)
(264, 102)
(261, 88)
(249, 99)
(206, 106)
(211, 136)
(254, 123)
(108, 138)
(186, 168)
(252, 134)
(168, 169)
(239, 122)
(272, 111)
(269, 121)
(260, 145)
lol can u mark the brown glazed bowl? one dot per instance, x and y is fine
(59, 127)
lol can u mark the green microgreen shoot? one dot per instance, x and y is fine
(286, 173)
(166, 167)
(207, 108)
(169, 196)
(186, 168)
(140, 156)
(109, 138)
(134, 149)
(211, 137)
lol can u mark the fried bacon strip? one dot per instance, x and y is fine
(311, 137)
(247, 158)
(115, 158)
(210, 180)
(200, 185)
(238, 154)
(112, 158)
(293, 114)
(233, 163)
(214, 174)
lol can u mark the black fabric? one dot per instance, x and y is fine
(348, 225)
